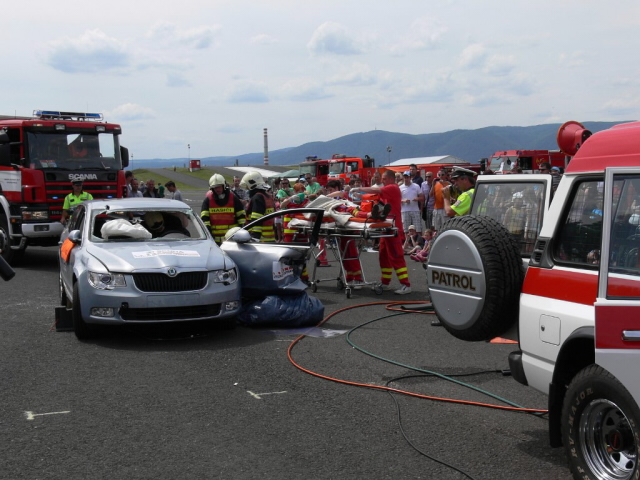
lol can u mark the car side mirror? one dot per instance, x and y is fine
(241, 236)
(75, 236)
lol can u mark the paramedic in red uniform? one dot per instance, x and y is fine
(391, 252)
(221, 209)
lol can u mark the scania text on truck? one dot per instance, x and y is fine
(39, 157)
(574, 307)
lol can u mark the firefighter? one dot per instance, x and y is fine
(221, 209)
(260, 204)
(72, 200)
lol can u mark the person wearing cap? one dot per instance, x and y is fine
(413, 242)
(72, 200)
(174, 193)
(411, 203)
(464, 180)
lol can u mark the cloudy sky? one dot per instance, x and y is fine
(213, 73)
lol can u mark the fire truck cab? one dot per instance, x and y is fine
(506, 161)
(575, 308)
(342, 166)
(39, 157)
(316, 168)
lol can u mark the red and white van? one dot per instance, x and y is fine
(574, 308)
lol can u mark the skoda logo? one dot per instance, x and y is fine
(172, 272)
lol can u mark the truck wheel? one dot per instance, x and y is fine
(600, 428)
(82, 330)
(475, 277)
(10, 255)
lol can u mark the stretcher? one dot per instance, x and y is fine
(345, 238)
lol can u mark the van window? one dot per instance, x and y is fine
(518, 206)
(625, 230)
(581, 231)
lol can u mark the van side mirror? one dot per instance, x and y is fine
(124, 155)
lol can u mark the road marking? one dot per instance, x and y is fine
(31, 415)
(258, 396)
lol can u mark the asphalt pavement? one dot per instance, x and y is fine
(195, 401)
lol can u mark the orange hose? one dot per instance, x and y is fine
(389, 389)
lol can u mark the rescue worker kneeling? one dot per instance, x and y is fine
(221, 209)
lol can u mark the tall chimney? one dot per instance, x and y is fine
(266, 147)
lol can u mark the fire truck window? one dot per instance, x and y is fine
(580, 233)
(625, 231)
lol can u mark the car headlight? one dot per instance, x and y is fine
(225, 276)
(106, 281)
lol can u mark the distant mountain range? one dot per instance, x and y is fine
(470, 145)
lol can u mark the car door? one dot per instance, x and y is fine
(273, 268)
(76, 224)
(617, 308)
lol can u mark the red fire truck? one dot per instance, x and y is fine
(342, 166)
(39, 157)
(529, 161)
(317, 168)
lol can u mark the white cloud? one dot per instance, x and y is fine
(629, 107)
(423, 34)
(263, 39)
(356, 75)
(574, 59)
(91, 52)
(499, 65)
(334, 38)
(131, 111)
(473, 56)
(197, 37)
(177, 80)
(247, 91)
(304, 89)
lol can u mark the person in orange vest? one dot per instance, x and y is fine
(260, 204)
(221, 209)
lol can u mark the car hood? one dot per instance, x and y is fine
(129, 257)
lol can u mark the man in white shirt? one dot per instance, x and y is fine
(411, 204)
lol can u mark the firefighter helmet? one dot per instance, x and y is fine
(252, 181)
(217, 180)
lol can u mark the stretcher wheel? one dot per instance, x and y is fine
(378, 289)
(340, 284)
(318, 263)
(348, 292)
(314, 287)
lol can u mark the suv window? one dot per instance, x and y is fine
(518, 206)
(581, 231)
(625, 230)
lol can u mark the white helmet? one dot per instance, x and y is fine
(253, 180)
(217, 180)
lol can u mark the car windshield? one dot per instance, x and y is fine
(145, 225)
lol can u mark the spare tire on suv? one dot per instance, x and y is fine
(475, 276)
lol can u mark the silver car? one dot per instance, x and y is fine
(138, 261)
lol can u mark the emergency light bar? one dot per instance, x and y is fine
(56, 115)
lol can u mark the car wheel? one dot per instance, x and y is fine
(600, 429)
(475, 277)
(82, 330)
(11, 256)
